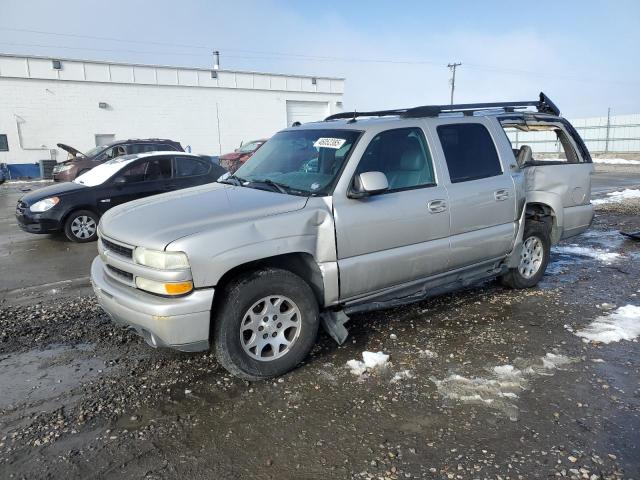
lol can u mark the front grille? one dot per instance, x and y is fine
(20, 208)
(118, 249)
(121, 273)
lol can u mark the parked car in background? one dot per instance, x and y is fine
(233, 161)
(75, 207)
(79, 163)
(342, 216)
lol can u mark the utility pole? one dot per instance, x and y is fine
(452, 67)
(606, 142)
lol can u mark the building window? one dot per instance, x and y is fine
(4, 143)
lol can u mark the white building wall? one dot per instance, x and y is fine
(40, 107)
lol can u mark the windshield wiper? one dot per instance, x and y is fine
(278, 186)
(235, 180)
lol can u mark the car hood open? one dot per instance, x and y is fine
(154, 222)
(71, 150)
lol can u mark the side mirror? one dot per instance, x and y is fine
(368, 183)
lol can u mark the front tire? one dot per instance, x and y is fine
(81, 226)
(266, 324)
(534, 258)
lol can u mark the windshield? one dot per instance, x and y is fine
(101, 173)
(94, 151)
(249, 147)
(304, 160)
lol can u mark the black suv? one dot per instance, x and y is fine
(79, 163)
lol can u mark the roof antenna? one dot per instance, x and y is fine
(353, 120)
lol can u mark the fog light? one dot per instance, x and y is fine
(164, 288)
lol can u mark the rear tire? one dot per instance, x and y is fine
(265, 324)
(81, 226)
(534, 258)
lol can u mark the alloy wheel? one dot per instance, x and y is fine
(270, 328)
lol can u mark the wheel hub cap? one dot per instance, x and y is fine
(531, 257)
(83, 226)
(270, 328)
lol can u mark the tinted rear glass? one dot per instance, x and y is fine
(469, 151)
(189, 167)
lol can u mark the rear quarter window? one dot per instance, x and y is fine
(469, 152)
(190, 167)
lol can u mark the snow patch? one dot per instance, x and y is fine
(622, 324)
(615, 161)
(502, 386)
(552, 361)
(618, 197)
(426, 353)
(370, 361)
(603, 256)
(403, 375)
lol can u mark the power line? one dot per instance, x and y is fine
(287, 56)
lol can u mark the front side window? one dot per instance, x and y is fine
(4, 143)
(469, 151)
(303, 162)
(149, 170)
(190, 167)
(402, 155)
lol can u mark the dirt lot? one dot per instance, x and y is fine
(487, 383)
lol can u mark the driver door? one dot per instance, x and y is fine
(401, 234)
(150, 176)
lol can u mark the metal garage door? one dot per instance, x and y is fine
(303, 112)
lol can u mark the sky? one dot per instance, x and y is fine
(584, 55)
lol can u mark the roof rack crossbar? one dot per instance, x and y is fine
(543, 105)
(377, 113)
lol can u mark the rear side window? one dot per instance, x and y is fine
(469, 151)
(190, 167)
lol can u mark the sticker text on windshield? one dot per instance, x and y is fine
(325, 142)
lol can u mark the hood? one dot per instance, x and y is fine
(234, 155)
(55, 190)
(154, 222)
(71, 150)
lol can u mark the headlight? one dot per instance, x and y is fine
(164, 288)
(63, 168)
(160, 260)
(44, 205)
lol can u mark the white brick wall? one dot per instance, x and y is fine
(53, 110)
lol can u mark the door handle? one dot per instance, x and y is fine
(500, 195)
(437, 206)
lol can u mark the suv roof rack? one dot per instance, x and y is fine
(543, 105)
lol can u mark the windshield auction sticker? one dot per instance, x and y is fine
(325, 142)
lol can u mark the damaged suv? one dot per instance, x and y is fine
(361, 211)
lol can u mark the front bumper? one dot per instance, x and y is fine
(181, 323)
(45, 222)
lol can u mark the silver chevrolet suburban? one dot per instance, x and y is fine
(360, 211)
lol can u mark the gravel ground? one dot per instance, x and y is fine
(82, 399)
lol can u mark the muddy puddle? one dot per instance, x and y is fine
(38, 375)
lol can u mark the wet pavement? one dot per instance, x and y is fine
(485, 383)
(29, 260)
